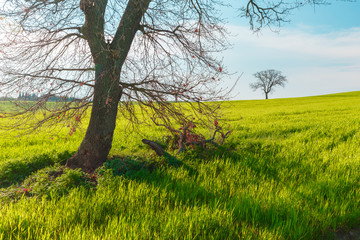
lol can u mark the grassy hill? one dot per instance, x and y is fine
(290, 170)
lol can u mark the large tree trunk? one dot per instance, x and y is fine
(97, 142)
(108, 59)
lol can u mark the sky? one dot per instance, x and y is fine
(318, 51)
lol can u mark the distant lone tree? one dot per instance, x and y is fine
(267, 80)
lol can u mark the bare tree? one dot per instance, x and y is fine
(267, 80)
(272, 13)
(105, 55)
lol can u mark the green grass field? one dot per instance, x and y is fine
(289, 170)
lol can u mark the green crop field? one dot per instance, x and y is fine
(289, 170)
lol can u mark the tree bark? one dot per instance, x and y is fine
(266, 95)
(97, 142)
(108, 60)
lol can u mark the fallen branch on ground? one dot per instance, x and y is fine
(186, 136)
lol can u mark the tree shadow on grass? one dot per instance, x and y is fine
(16, 170)
(244, 209)
(281, 219)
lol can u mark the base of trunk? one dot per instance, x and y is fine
(85, 162)
(90, 156)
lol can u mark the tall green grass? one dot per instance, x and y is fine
(290, 170)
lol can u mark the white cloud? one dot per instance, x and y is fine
(344, 44)
(314, 63)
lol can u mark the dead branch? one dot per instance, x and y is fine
(156, 147)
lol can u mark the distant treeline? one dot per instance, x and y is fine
(54, 98)
(7, 99)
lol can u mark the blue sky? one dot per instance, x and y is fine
(318, 51)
